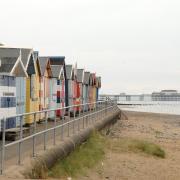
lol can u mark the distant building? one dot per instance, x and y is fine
(166, 95)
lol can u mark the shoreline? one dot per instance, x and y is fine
(134, 109)
(152, 113)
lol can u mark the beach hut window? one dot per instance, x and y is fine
(58, 100)
(3, 102)
(58, 82)
(8, 102)
(12, 102)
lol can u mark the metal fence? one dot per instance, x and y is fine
(70, 121)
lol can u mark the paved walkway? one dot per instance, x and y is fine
(11, 153)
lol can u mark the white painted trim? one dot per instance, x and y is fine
(31, 53)
(15, 65)
(83, 77)
(23, 68)
(61, 71)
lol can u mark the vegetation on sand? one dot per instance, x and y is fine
(136, 145)
(85, 156)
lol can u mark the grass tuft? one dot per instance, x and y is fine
(84, 157)
(135, 145)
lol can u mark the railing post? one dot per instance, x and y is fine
(21, 136)
(106, 108)
(86, 120)
(89, 117)
(54, 136)
(69, 114)
(79, 117)
(34, 138)
(74, 121)
(97, 111)
(62, 127)
(3, 125)
(46, 118)
(83, 114)
(95, 115)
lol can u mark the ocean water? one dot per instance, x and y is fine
(154, 107)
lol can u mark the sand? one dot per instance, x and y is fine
(163, 130)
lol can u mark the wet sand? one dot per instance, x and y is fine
(160, 129)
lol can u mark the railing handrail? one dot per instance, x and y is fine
(92, 112)
(49, 110)
(52, 128)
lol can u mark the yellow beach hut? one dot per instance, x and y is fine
(32, 83)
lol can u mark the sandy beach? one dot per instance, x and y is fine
(161, 129)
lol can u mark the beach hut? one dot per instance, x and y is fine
(11, 72)
(80, 86)
(44, 67)
(32, 84)
(94, 88)
(86, 83)
(57, 90)
(71, 76)
(90, 91)
(98, 86)
(76, 90)
(69, 83)
(57, 85)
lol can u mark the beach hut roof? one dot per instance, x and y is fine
(7, 63)
(80, 75)
(57, 60)
(98, 82)
(44, 64)
(69, 72)
(26, 56)
(86, 77)
(36, 55)
(92, 79)
(12, 66)
(57, 70)
(43, 61)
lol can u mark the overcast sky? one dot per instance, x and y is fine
(133, 44)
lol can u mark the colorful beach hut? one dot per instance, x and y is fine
(44, 67)
(69, 82)
(71, 77)
(92, 90)
(98, 86)
(80, 85)
(86, 85)
(57, 85)
(11, 72)
(32, 84)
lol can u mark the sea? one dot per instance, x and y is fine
(164, 107)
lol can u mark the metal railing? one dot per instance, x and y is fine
(86, 115)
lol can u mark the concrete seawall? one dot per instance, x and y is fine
(45, 160)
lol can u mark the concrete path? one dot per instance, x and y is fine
(12, 152)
